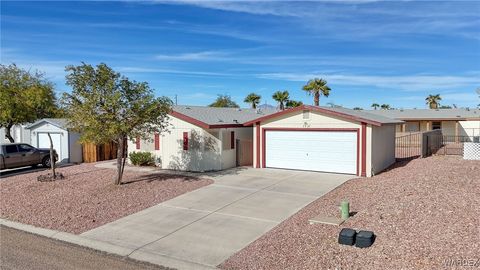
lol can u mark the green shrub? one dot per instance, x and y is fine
(142, 158)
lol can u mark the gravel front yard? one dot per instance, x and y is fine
(423, 213)
(87, 197)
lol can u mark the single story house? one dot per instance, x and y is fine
(65, 142)
(313, 138)
(452, 122)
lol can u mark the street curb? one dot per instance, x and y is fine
(159, 259)
(68, 237)
(138, 255)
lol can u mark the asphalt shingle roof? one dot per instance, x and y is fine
(383, 119)
(429, 114)
(221, 116)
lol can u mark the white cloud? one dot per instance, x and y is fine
(172, 71)
(407, 83)
(196, 56)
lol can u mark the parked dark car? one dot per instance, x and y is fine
(14, 155)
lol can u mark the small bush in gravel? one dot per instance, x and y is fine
(142, 159)
(49, 177)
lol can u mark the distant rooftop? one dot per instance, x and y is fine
(429, 114)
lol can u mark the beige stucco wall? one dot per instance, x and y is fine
(316, 120)
(382, 148)
(209, 150)
(448, 128)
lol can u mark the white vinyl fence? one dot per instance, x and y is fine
(471, 150)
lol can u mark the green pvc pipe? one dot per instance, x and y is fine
(345, 209)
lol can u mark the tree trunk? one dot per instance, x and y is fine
(316, 98)
(120, 158)
(124, 154)
(8, 133)
(52, 158)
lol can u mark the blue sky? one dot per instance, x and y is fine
(394, 52)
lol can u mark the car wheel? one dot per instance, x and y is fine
(46, 162)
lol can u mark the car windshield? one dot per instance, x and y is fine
(25, 148)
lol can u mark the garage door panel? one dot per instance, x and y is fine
(312, 150)
(44, 142)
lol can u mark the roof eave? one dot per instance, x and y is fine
(313, 108)
(45, 121)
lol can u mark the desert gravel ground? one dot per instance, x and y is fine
(87, 197)
(424, 212)
(21, 250)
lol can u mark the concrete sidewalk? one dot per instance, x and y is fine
(202, 228)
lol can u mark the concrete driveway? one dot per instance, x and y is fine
(202, 228)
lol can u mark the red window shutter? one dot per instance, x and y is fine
(185, 140)
(232, 140)
(137, 143)
(157, 141)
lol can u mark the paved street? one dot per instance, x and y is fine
(21, 250)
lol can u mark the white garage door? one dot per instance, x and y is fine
(44, 142)
(325, 151)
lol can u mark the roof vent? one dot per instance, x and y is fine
(235, 120)
(220, 120)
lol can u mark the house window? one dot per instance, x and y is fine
(436, 125)
(232, 140)
(137, 143)
(157, 141)
(306, 114)
(185, 140)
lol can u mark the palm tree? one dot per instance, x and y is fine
(385, 107)
(317, 87)
(293, 103)
(253, 99)
(432, 101)
(375, 106)
(281, 97)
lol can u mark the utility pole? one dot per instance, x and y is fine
(176, 99)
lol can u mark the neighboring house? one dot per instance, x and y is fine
(311, 138)
(65, 142)
(452, 122)
(19, 133)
